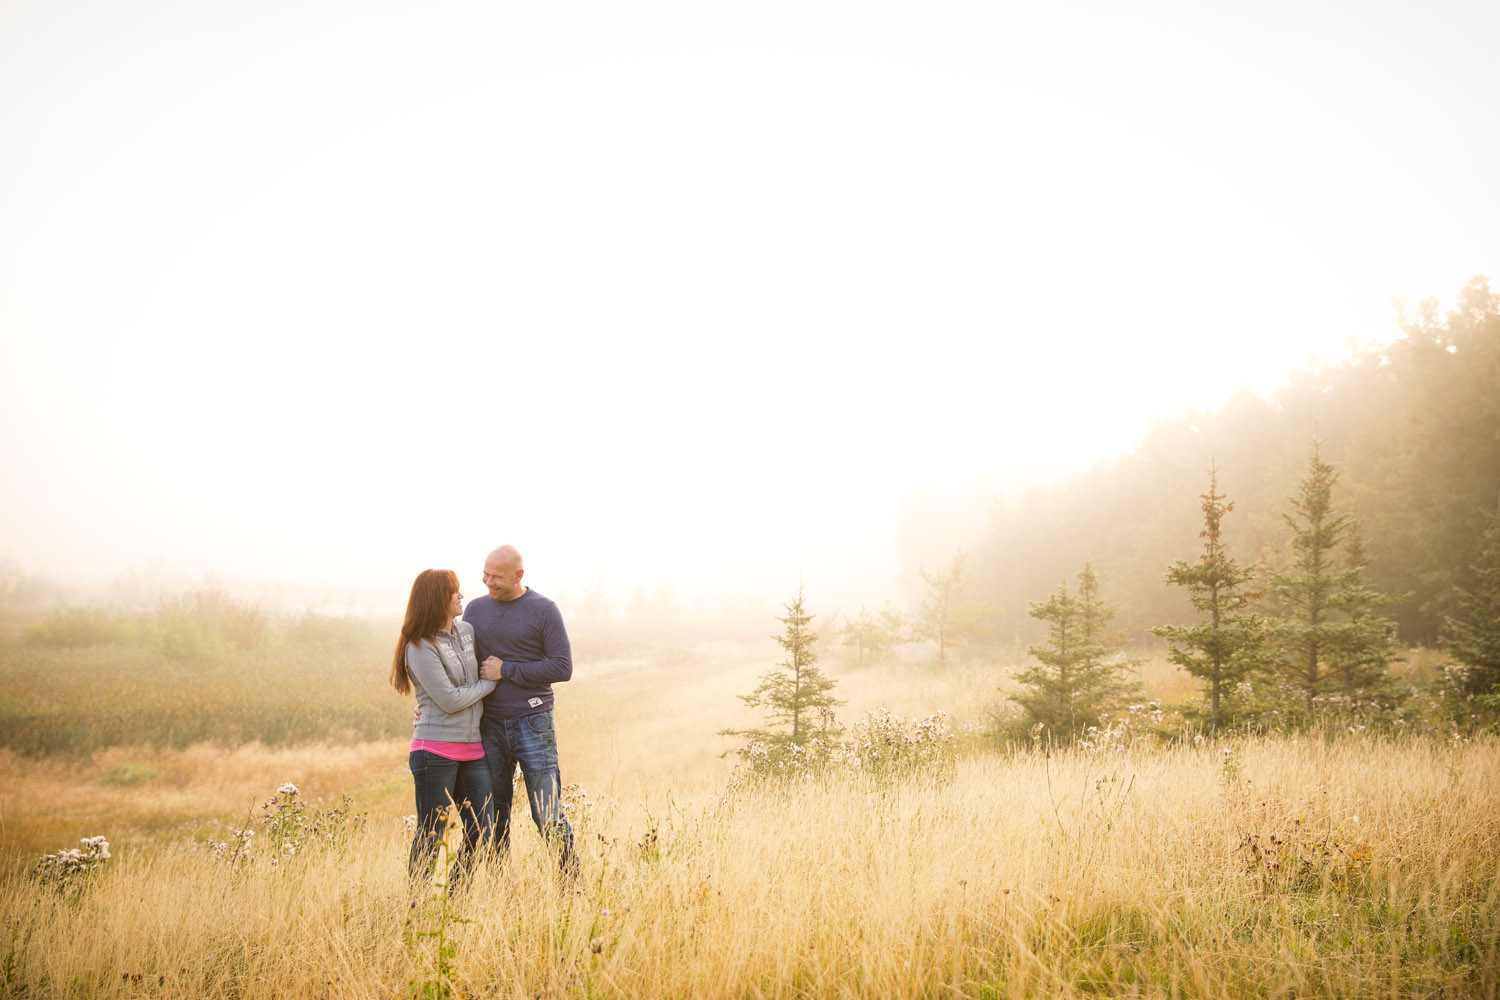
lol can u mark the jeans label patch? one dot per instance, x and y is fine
(535, 703)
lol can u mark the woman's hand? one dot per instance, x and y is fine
(490, 668)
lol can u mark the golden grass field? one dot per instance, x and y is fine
(1357, 867)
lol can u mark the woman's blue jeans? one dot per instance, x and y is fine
(464, 783)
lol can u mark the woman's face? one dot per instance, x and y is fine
(456, 605)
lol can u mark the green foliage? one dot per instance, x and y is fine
(1081, 675)
(83, 628)
(873, 636)
(949, 617)
(1413, 423)
(291, 829)
(1328, 635)
(207, 623)
(886, 745)
(200, 624)
(1304, 862)
(1306, 591)
(196, 625)
(18, 589)
(125, 775)
(434, 922)
(882, 745)
(1474, 632)
(125, 690)
(1361, 653)
(796, 691)
(1434, 462)
(316, 631)
(1225, 646)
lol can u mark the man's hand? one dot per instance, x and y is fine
(490, 668)
(416, 713)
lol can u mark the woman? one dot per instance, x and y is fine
(435, 657)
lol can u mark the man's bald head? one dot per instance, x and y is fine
(503, 569)
(505, 555)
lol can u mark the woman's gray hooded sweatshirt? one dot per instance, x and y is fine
(445, 676)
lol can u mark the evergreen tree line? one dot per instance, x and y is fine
(1413, 426)
(1292, 603)
(1281, 645)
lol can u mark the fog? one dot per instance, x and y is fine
(725, 299)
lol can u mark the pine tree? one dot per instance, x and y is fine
(1095, 615)
(1307, 589)
(1474, 638)
(1225, 646)
(1361, 651)
(796, 690)
(1079, 676)
(873, 635)
(948, 617)
(1329, 631)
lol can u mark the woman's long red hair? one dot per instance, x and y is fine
(426, 615)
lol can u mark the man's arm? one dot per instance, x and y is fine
(556, 664)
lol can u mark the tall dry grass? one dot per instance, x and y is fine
(138, 794)
(1356, 868)
(1361, 867)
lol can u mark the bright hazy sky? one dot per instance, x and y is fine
(335, 290)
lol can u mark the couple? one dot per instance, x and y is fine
(484, 704)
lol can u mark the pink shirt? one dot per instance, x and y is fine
(452, 751)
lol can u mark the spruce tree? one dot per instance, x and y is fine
(795, 691)
(1361, 651)
(859, 635)
(1225, 646)
(1474, 635)
(1079, 676)
(1329, 633)
(1095, 615)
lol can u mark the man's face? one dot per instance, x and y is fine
(502, 579)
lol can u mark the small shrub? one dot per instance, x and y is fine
(206, 623)
(314, 631)
(82, 628)
(885, 744)
(73, 867)
(581, 810)
(234, 852)
(882, 744)
(292, 829)
(129, 774)
(787, 760)
(1299, 863)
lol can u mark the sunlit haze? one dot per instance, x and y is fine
(689, 294)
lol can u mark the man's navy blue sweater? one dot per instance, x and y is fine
(528, 636)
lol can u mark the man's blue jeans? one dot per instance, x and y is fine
(530, 742)
(465, 783)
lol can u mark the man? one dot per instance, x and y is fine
(522, 644)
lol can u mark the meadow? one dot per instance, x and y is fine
(915, 862)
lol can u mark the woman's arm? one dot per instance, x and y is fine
(426, 668)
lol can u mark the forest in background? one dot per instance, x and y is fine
(1412, 427)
